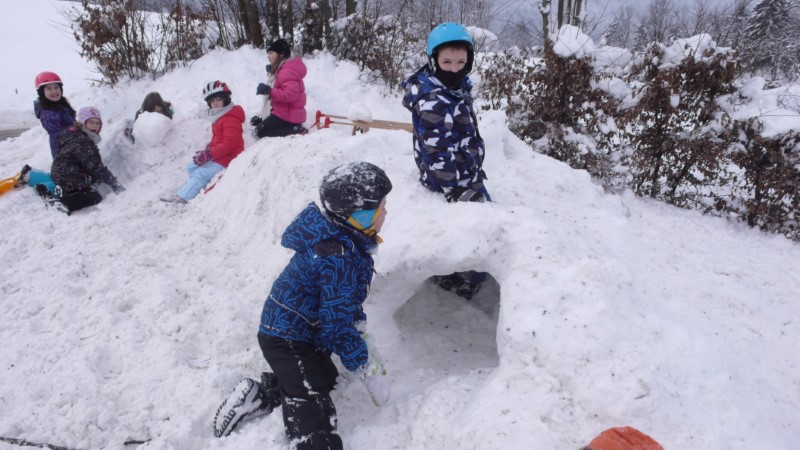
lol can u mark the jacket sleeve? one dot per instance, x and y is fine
(230, 144)
(341, 296)
(89, 159)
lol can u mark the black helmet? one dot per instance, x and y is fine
(353, 187)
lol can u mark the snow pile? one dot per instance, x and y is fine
(357, 111)
(151, 128)
(571, 41)
(133, 319)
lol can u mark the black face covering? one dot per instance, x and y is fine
(452, 80)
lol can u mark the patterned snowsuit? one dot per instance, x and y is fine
(311, 311)
(76, 167)
(448, 149)
(55, 120)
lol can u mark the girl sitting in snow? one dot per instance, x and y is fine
(284, 94)
(78, 164)
(315, 309)
(226, 141)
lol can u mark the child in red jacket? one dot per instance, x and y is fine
(226, 141)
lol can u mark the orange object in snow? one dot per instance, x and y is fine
(8, 184)
(624, 438)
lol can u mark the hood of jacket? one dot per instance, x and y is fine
(311, 227)
(294, 67)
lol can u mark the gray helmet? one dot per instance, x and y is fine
(353, 187)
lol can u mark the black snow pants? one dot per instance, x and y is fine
(76, 200)
(274, 126)
(306, 376)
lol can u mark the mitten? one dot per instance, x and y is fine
(202, 157)
(117, 188)
(373, 375)
(263, 89)
(255, 121)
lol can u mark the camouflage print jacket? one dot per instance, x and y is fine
(448, 148)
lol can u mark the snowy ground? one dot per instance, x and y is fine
(133, 320)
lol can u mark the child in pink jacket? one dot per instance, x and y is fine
(284, 94)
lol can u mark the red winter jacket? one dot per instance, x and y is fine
(227, 139)
(288, 95)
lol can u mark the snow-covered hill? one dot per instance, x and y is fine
(133, 319)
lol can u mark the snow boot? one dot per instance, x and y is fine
(249, 399)
(467, 290)
(23, 176)
(447, 282)
(173, 199)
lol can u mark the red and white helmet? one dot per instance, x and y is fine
(215, 87)
(45, 78)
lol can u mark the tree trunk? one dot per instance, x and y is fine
(254, 24)
(544, 10)
(349, 7)
(559, 14)
(273, 18)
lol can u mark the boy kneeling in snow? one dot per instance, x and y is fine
(315, 309)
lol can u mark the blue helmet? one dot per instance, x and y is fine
(448, 32)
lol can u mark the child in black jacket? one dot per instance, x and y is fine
(78, 164)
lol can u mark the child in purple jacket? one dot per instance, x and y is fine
(52, 108)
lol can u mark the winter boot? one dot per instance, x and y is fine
(447, 282)
(468, 289)
(23, 176)
(173, 199)
(299, 129)
(249, 399)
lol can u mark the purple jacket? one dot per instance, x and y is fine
(288, 95)
(55, 121)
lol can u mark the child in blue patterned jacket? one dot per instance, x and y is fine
(448, 148)
(315, 309)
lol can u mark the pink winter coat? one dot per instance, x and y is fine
(288, 95)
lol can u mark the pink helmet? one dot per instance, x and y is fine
(47, 78)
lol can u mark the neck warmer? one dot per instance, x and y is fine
(215, 113)
(92, 135)
(451, 80)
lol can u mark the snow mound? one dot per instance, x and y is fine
(151, 129)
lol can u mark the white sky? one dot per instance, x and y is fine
(134, 319)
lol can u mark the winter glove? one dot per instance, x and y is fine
(118, 188)
(255, 121)
(269, 68)
(373, 375)
(374, 378)
(263, 89)
(202, 157)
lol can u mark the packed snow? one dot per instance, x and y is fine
(132, 320)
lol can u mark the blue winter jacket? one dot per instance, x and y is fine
(448, 149)
(318, 296)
